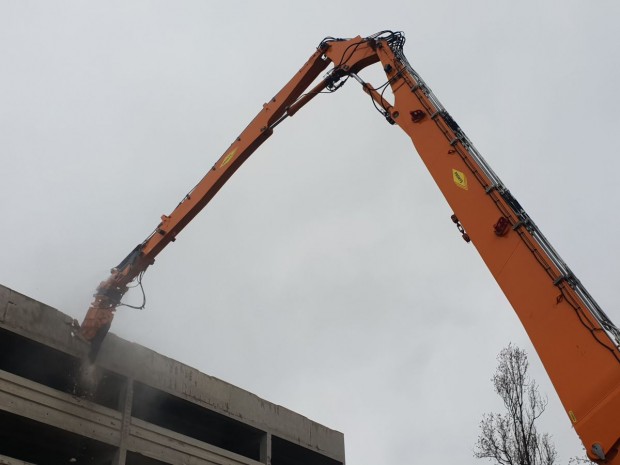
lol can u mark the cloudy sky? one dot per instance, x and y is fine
(326, 276)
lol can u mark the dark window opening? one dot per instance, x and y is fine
(182, 416)
(133, 458)
(287, 453)
(58, 370)
(35, 442)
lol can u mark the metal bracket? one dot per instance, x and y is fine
(459, 226)
(597, 450)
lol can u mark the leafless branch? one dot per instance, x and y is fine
(512, 438)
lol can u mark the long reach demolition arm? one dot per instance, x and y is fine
(575, 340)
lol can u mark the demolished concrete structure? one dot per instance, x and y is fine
(145, 409)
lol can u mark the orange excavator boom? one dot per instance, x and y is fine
(575, 340)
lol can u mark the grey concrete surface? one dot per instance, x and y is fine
(129, 365)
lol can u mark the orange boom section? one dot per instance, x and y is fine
(575, 340)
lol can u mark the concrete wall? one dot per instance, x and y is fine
(135, 406)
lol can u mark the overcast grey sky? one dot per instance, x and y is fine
(326, 276)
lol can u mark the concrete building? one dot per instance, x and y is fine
(140, 408)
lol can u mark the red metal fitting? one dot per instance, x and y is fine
(417, 116)
(502, 226)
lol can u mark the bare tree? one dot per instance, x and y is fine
(511, 438)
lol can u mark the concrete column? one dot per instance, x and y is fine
(265, 449)
(125, 408)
